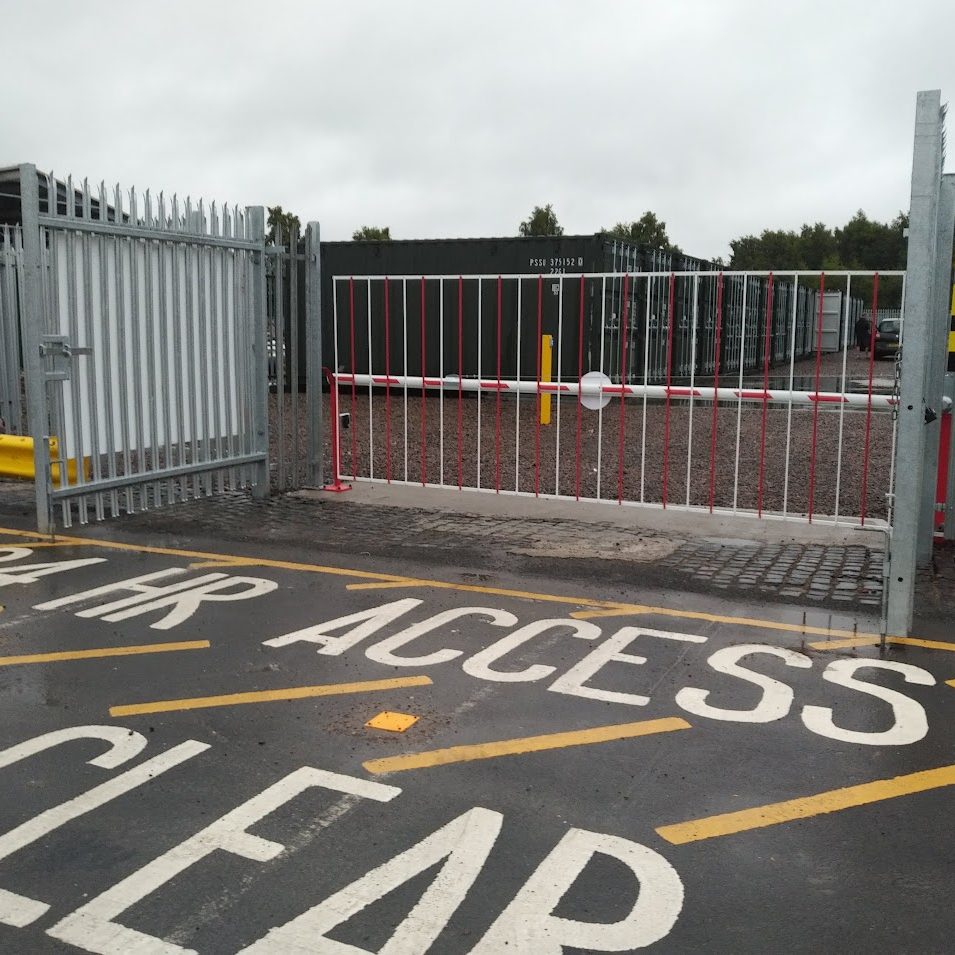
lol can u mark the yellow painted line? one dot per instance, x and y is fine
(610, 607)
(227, 562)
(36, 545)
(951, 340)
(875, 641)
(57, 656)
(624, 610)
(385, 586)
(833, 801)
(527, 744)
(202, 555)
(268, 696)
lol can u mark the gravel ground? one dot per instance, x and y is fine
(500, 445)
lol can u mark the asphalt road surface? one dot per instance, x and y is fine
(282, 749)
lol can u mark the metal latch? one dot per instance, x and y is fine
(61, 353)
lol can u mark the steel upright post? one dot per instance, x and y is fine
(315, 471)
(938, 339)
(260, 363)
(921, 271)
(32, 325)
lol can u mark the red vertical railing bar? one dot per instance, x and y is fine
(624, 322)
(666, 415)
(460, 380)
(539, 345)
(387, 386)
(424, 390)
(336, 484)
(580, 374)
(497, 412)
(762, 439)
(815, 404)
(868, 408)
(354, 394)
(716, 385)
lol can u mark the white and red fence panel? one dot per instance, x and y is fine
(726, 392)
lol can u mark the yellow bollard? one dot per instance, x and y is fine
(547, 363)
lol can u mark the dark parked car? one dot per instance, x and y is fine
(887, 338)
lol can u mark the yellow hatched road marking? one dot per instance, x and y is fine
(526, 744)
(60, 655)
(609, 608)
(268, 696)
(834, 800)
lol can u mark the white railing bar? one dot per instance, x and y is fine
(795, 273)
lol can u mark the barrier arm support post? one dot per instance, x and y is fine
(547, 374)
(920, 298)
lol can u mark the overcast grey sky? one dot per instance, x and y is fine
(453, 119)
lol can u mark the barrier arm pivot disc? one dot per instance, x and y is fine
(592, 397)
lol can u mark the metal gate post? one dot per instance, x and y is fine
(260, 362)
(31, 331)
(938, 359)
(314, 472)
(921, 271)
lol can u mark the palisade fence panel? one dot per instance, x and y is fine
(152, 343)
(12, 407)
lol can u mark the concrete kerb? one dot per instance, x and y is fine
(678, 525)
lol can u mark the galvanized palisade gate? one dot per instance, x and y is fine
(144, 344)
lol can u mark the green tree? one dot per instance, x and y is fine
(861, 244)
(648, 232)
(772, 249)
(284, 222)
(372, 233)
(542, 221)
(866, 244)
(818, 247)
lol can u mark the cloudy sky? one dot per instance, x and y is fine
(443, 118)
